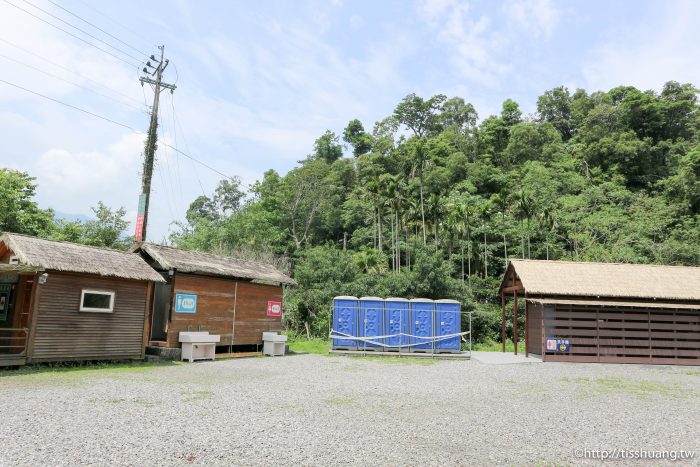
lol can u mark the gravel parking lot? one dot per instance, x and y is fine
(320, 410)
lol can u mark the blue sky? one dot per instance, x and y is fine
(259, 81)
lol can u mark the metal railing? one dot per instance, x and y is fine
(13, 338)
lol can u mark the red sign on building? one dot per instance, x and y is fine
(274, 309)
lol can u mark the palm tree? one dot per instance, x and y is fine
(485, 211)
(525, 206)
(457, 219)
(549, 224)
(436, 206)
(394, 199)
(500, 200)
(418, 165)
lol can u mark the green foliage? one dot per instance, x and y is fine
(433, 204)
(19, 213)
(106, 230)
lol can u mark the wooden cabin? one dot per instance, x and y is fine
(236, 299)
(602, 312)
(61, 301)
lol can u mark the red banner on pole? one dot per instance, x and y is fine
(138, 233)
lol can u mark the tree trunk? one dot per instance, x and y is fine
(528, 238)
(486, 258)
(462, 252)
(422, 209)
(398, 243)
(308, 330)
(379, 227)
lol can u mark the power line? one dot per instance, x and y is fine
(69, 82)
(124, 125)
(83, 31)
(97, 27)
(175, 119)
(111, 19)
(58, 65)
(71, 34)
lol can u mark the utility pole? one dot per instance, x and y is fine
(151, 145)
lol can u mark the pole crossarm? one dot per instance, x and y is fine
(172, 87)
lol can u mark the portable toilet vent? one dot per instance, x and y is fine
(345, 310)
(371, 323)
(397, 324)
(422, 324)
(447, 323)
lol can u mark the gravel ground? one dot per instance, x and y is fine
(319, 410)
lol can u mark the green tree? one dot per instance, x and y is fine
(19, 212)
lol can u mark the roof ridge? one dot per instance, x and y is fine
(65, 242)
(259, 263)
(555, 261)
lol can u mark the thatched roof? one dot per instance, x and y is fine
(72, 257)
(611, 280)
(197, 262)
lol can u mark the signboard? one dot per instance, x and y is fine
(185, 303)
(138, 233)
(274, 309)
(558, 345)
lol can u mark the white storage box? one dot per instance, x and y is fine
(274, 344)
(198, 345)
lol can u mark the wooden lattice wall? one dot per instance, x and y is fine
(623, 334)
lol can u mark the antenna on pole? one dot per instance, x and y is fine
(155, 68)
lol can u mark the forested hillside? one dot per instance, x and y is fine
(433, 202)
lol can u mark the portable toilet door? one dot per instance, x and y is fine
(371, 322)
(422, 319)
(396, 324)
(345, 310)
(447, 322)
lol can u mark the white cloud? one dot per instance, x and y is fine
(659, 49)
(537, 18)
(477, 44)
(68, 176)
(471, 41)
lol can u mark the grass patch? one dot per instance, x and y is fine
(493, 346)
(78, 369)
(197, 395)
(693, 372)
(341, 401)
(313, 346)
(396, 360)
(643, 388)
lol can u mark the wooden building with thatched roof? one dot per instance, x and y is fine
(62, 301)
(236, 299)
(604, 312)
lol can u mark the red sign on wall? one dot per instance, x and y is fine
(274, 309)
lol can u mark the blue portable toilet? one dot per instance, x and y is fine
(345, 310)
(371, 322)
(396, 322)
(447, 321)
(422, 324)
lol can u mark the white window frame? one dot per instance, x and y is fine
(97, 310)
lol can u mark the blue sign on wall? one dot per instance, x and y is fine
(185, 303)
(558, 345)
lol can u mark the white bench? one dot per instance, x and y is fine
(273, 344)
(198, 345)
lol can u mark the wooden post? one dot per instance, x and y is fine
(34, 307)
(148, 316)
(515, 321)
(503, 321)
(526, 317)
